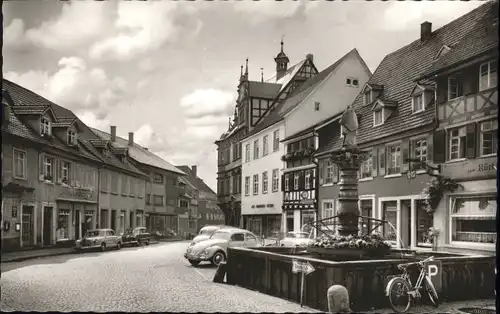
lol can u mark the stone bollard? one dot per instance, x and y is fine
(338, 299)
(220, 273)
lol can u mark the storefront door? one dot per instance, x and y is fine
(47, 225)
(390, 213)
(113, 220)
(27, 221)
(77, 224)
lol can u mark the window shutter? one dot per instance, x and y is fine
(381, 161)
(439, 146)
(374, 162)
(405, 147)
(40, 162)
(430, 148)
(471, 141)
(282, 183)
(58, 170)
(321, 171)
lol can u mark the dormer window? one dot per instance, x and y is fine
(44, 126)
(71, 137)
(368, 97)
(418, 102)
(378, 117)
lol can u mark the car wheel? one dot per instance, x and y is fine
(118, 246)
(194, 263)
(218, 258)
(103, 247)
(147, 242)
(137, 243)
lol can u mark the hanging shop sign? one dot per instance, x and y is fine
(475, 169)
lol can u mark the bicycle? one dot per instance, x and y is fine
(401, 288)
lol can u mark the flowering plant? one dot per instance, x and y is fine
(433, 192)
(369, 243)
(433, 232)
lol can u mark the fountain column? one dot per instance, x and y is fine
(349, 160)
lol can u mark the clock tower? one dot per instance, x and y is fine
(281, 63)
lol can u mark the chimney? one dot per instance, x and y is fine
(193, 169)
(146, 148)
(425, 31)
(310, 57)
(130, 138)
(113, 133)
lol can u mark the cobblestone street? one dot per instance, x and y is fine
(155, 278)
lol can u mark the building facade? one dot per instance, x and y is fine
(415, 125)
(261, 169)
(256, 99)
(156, 198)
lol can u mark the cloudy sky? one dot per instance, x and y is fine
(168, 71)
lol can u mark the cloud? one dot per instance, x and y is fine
(13, 35)
(75, 86)
(79, 23)
(142, 27)
(147, 137)
(205, 102)
(92, 120)
(259, 11)
(406, 14)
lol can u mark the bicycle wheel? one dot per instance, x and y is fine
(431, 292)
(399, 298)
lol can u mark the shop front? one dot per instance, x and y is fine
(299, 210)
(468, 215)
(264, 226)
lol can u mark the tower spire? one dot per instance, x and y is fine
(246, 68)
(262, 75)
(282, 36)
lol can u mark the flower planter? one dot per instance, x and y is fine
(350, 253)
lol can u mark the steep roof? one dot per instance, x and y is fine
(24, 97)
(288, 76)
(296, 97)
(263, 90)
(397, 74)
(196, 181)
(139, 153)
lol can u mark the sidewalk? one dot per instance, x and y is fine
(483, 306)
(20, 256)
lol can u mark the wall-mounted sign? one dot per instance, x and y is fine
(14, 211)
(78, 194)
(481, 168)
(18, 226)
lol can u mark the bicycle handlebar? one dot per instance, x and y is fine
(430, 258)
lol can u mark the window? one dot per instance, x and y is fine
(308, 218)
(48, 169)
(264, 182)
(389, 213)
(368, 97)
(62, 225)
(114, 183)
(420, 152)
(158, 199)
(148, 199)
(418, 103)
(256, 149)
(473, 219)
(489, 140)
(255, 184)
(65, 171)
(378, 117)
(247, 186)
(192, 223)
(296, 181)
(104, 181)
(238, 237)
(355, 82)
(366, 207)
(44, 126)
(265, 147)
(183, 204)
(329, 211)
(348, 81)
(276, 140)
(276, 180)
(287, 182)
(307, 182)
(158, 178)
(19, 164)
(329, 173)
(71, 137)
(457, 143)
(454, 88)
(247, 152)
(352, 82)
(425, 221)
(367, 167)
(236, 184)
(124, 184)
(316, 106)
(488, 75)
(394, 159)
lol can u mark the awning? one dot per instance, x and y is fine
(16, 188)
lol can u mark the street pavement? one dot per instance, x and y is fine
(139, 279)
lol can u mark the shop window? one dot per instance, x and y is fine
(389, 213)
(289, 221)
(308, 217)
(457, 137)
(489, 139)
(425, 221)
(122, 223)
(62, 232)
(473, 219)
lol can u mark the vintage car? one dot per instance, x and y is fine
(100, 238)
(136, 236)
(214, 250)
(206, 232)
(296, 238)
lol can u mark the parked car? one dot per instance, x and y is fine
(136, 236)
(214, 250)
(206, 232)
(99, 238)
(296, 238)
